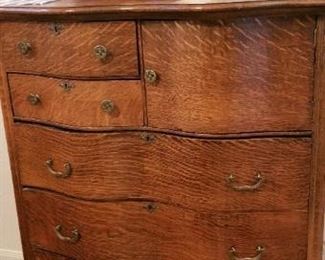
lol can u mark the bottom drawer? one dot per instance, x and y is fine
(39, 254)
(147, 230)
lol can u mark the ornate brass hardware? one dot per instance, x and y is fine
(148, 137)
(56, 28)
(101, 52)
(73, 239)
(66, 85)
(66, 172)
(232, 182)
(233, 256)
(24, 47)
(33, 99)
(151, 207)
(151, 76)
(108, 106)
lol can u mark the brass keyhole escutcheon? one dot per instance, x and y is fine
(24, 47)
(56, 28)
(33, 99)
(148, 137)
(151, 207)
(108, 106)
(151, 76)
(101, 52)
(66, 85)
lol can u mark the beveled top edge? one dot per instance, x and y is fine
(153, 9)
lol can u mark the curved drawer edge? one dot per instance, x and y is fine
(72, 129)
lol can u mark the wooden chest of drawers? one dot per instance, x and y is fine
(166, 130)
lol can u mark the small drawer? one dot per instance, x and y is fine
(77, 103)
(91, 49)
(232, 175)
(149, 230)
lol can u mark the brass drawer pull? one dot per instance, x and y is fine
(66, 173)
(151, 76)
(108, 106)
(24, 47)
(33, 99)
(75, 237)
(259, 251)
(101, 52)
(232, 182)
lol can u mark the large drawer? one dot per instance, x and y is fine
(90, 49)
(243, 75)
(194, 173)
(77, 103)
(146, 230)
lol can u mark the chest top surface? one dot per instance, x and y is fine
(171, 9)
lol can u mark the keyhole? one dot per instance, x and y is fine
(151, 207)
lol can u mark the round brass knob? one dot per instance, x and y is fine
(151, 76)
(101, 52)
(24, 47)
(108, 106)
(34, 99)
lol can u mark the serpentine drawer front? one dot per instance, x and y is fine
(130, 230)
(125, 165)
(77, 103)
(166, 130)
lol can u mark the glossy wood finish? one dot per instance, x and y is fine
(81, 105)
(123, 166)
(128, 230)
(317, 196)
(230, 77)
(72, 47)
(234, 96)
(155, 9)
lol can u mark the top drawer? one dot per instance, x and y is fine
(92, 49)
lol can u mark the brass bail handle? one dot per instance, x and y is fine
(232, 182)
(64, 174)
(75, 235)
(259, 251)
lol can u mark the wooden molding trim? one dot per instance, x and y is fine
(317, 196)
(171, 9)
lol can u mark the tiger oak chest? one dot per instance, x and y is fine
(190, 130)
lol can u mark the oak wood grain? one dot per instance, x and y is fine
(317, 183)
(154, 9)
(251, 74)
(8, 124)
(39, 254)
(80, 106)
(156, 187)
(71, 50)
(128, 230)
(188, 172)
